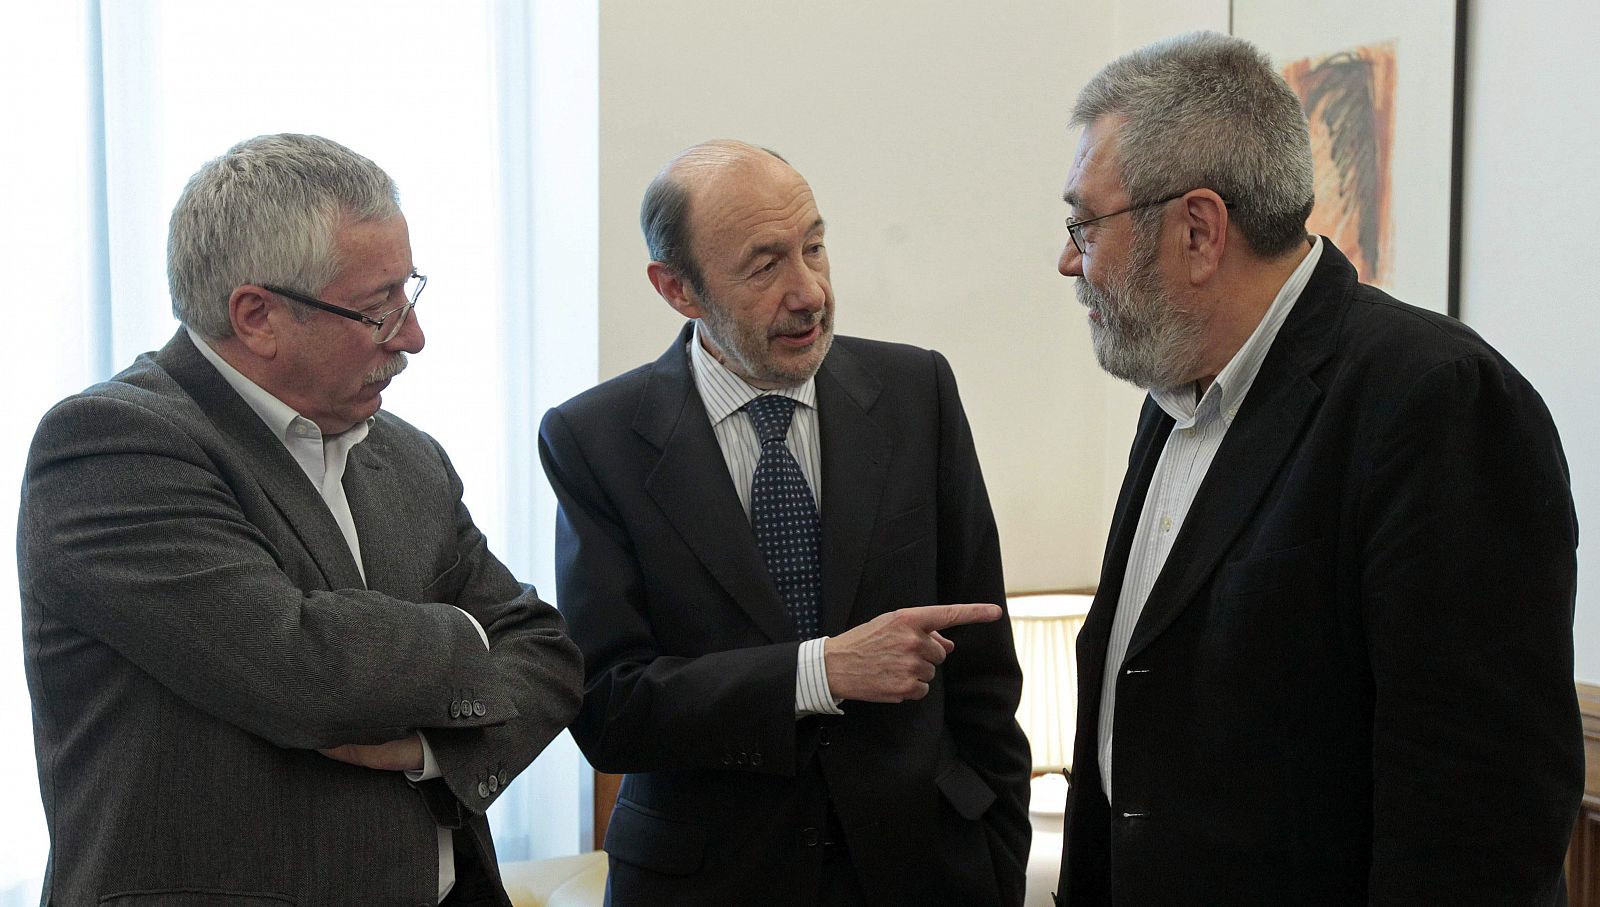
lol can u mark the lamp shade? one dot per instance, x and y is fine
(1045, 627)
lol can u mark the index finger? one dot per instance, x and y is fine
(928, 618)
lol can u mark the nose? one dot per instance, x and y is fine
(810, 291)
(410, 338)
(1070, 264)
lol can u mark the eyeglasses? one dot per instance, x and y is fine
(384, 327)
(1075, 227)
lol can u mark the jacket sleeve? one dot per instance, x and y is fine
(534, 665)
(1468, 580)
(983, 681)
(645, 708)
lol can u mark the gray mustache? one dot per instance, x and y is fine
(394, 366)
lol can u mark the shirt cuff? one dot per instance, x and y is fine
(481, 634)
(430, 765)
(811, 681)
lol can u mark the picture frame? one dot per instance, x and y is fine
(1382, 84)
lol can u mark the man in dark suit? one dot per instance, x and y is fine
(811, 707)
(271, 658)
(1330, 659)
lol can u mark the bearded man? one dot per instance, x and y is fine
(1330, 659)
(776, 552)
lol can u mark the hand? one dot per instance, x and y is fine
(403, 755)
(892, 657)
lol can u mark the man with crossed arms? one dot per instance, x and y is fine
(272, 659)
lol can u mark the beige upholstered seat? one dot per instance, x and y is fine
(575, 881)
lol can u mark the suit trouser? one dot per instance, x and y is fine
(475, 886)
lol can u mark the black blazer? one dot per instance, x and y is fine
(691, 656)
(1352, 680)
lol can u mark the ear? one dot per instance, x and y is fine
(674, 289)
(1205, 224)
(250, 310)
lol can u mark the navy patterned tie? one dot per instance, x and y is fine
(784, 515)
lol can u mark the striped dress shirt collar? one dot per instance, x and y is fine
(724, 393)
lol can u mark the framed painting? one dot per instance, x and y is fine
(1381, 84)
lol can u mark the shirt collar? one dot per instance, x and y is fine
(1227, 392)
(725, 393)
(286, 424)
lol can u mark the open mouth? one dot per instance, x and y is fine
(803, 337)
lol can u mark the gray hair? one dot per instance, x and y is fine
(1204, 110)
(266, 213)
(664, 213)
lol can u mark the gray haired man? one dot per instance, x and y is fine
(271, 658)
(1330, 659)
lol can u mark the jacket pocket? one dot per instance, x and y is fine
(194, 897)
(902, 530)
(1288, 569)
(435, 583)
(650, 840)
(968, 794)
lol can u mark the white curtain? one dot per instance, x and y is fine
(483, 112)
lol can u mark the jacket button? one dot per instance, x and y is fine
(478, 709)
(727, 758)
(809, 837)
(483, 789)
(455, 708)
(740, 759)
(822, 736)
(494, 783)
(502, 777)
(755, 758)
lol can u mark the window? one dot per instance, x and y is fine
(125, 100)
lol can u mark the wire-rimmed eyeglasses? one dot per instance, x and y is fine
(1074, 227)
(384, 326)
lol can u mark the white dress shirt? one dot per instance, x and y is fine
(724, 394)
(1190, 448)
(323, 460)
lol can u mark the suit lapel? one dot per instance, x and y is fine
(281, 479)
(855, 458)
(1269, 427)
(1094, 637)
(382, 523)
(690, 484)
(1239, 477)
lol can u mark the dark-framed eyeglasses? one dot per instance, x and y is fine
(385, 325)
(1075, 227)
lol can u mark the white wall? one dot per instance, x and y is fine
(934, 138)
(1530, 267)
